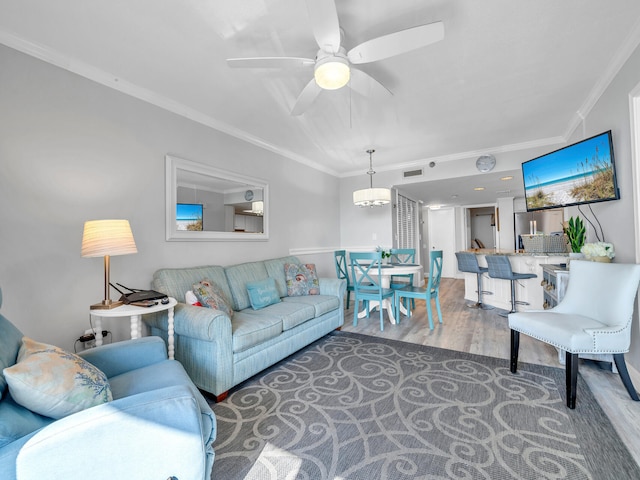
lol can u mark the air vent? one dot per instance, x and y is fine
(412, 173)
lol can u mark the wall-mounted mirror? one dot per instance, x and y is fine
(208, 203)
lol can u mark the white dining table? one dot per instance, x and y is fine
(387, 271)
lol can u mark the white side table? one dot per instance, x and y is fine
(135, 314)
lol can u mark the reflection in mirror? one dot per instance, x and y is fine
(208, 203)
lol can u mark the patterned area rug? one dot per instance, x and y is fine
(358, 407)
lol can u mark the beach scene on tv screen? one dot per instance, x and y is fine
(577, 174)
(189, 217)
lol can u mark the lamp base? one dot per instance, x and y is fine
(106, 305)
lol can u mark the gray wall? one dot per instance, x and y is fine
(611, 112)
(72, 150)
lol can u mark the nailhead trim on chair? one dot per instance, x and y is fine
(562, 347)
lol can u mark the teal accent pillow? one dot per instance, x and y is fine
(54, 383)
(302, 279)
(262, 293)
(210, 295)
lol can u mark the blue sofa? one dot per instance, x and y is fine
(158, 425)
(219, 352)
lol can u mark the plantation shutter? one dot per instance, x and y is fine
(406, 222)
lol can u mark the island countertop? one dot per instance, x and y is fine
(528, 290)
(520, 253)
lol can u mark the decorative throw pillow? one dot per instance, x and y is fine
(302, 279)
(54, 383)
(209, 294)
(262, 293)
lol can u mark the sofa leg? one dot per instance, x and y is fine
(213, 396)
(221, 397)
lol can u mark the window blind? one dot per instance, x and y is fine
(406, 222)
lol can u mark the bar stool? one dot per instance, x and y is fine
(500, 267)
(468, 262)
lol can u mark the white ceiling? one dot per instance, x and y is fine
(508, 73)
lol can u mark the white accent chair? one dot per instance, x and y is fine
(593, 317)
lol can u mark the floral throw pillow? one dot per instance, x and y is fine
(302, 279)
(54, 383)
(209, 294)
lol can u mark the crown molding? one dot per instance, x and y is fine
(422, 163)
(614, 67)
(106, 79)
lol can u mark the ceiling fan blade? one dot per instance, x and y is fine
(324, 21)
(306, 98)
(366, 85)
(270, 62)
(396, 43)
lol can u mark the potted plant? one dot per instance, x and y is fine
(385, 254)
(576, 234)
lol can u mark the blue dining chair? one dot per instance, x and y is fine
(400, 256)
(342, 271)
(432, 290)
(367, 277)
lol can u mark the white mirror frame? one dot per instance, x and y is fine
(172, 165)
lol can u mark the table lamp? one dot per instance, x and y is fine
(104, 238)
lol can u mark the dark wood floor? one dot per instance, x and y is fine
(484, 332)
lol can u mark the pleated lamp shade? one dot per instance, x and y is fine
(107, 237)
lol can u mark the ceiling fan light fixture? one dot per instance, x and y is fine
(332, 72)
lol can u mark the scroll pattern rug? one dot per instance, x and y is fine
(357, 407)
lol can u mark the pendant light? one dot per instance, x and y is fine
(371, 197)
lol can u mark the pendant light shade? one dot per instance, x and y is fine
(371, 197)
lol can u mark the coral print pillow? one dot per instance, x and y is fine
(54, 383)
(209, 294)
(302, 279)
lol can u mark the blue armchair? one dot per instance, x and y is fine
(158, 425)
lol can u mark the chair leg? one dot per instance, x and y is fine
(513, 296)
(355, 312)
(571, 361)
(438, 308)
(380, 312)
(427, 305)
(348, 298)
(618, 358)
(515, 347)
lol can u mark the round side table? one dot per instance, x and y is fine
(135, 314)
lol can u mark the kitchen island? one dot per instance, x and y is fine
(529, 290)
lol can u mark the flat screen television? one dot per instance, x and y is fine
(189, 217)
(580, 173)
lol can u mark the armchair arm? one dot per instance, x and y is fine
(156, 434)
(333, 286)
(116, 358)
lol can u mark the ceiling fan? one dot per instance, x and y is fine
(334, 65)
